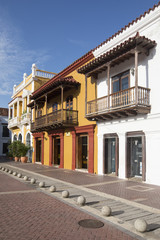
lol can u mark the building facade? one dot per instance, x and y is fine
(127, 111)
(63, 137)
(5, 135)
(19, 114)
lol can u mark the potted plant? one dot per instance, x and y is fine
(14, 149)
(23, 151)
(10, 155)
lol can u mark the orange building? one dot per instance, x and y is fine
(62, 135)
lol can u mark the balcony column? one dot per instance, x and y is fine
(18, 108)
(108, 78)
(62, 103)
(34, 111)
(27, 103)
(136, 76)
(23, 105)
(13, 111)
(85, 95)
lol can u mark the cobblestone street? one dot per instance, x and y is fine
(27, 213)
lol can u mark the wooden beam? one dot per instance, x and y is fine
(142, 50)
(34, 110)
(110, 62)
(108, 79)
(136, 75)
(61, 103)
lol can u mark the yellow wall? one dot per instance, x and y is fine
(46, 149)
(78, 104)
(67, 149)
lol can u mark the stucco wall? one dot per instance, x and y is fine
(148, 76)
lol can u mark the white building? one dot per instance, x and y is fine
(4, 132)
(127, 71)
(19, 113)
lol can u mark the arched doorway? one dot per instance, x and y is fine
(28, 143)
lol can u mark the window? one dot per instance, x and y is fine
(15, 138)
(69, 103)
(39, 113)
(55, 107)
(5, 132)
(120, 82)
(20, 137)
(5, 148)
(69, 107)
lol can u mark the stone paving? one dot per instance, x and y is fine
(124, 211)
(29, 214)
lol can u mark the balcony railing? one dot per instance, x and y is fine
(57, 119)
(44, 74)
(26, 118)
(122, 100)
(14, 122)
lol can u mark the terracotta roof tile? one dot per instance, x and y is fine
(79, 62)
(57, 82)
(117, 51)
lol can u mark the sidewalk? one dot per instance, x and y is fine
(128, 200)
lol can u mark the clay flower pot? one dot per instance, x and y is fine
(16, 159)
(24, 159)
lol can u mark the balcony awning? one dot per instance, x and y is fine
(118, 54)
(67, 83)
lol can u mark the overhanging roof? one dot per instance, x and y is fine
(67, 82)
(118, 54)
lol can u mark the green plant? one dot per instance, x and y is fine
(14, 148)
(24, 149)
(9, 154)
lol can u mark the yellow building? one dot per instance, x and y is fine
(62, 135)
(19, 114)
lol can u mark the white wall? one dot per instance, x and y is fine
(148, 76)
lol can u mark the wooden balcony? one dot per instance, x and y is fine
(58, 119)
(128, 102)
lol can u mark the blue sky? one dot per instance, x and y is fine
(54, 33)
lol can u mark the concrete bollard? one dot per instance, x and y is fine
(10, 171)
(33, 180)
(25, 178)
(19, 175)
(42, 184)
(106, 211)
(6, 170)
(140, 225)
(65, 194)
(52, 189)
(14, 174)
(3, 168)
(81, 201)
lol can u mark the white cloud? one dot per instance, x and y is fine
(15, 59)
